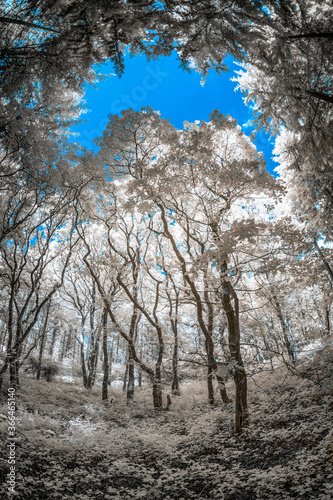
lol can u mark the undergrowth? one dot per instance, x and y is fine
(70, 445)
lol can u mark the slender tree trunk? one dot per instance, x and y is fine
(211, 372)
(63, 346)
(83, 365)
(125, 376)
(15, 366)
(92, 344)
(10, 353)
(105, 356)
(139, 369)
(240, 379)
(67, 344)
(132, 335)
(287, 343)
(117, 350)
(174, 327)
(42, 341)
(328, 319)
(2, 337)
(210, 375)
(93, 365)
(111, 359)
(54, 335)
(157, 387)
(175, 380)
(131, 376)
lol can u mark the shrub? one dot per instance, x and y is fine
(31, 366)
(49, 371)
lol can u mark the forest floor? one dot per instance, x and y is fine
(70, 445)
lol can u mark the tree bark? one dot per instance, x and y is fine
(239, 374)
(2, 336)
(132, 335)
(130, 383)
(11, 354)
(105, 356)
(157, 388)
(125, 376)
(287, 343)
(328, 316)
(174, 326)
(93, 343)
(83, 365)
(42, 341)
(210, 376)
(175, 380)
(54, 335)
(110, 358)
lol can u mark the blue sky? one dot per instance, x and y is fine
(177, 94)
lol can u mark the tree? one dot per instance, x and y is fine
(35, 267)
(130, 292)
(196, 186)
(288, 81)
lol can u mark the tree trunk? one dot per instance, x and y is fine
(93, 365)
(42, 341)
(174, 327)
(125, 377)
(328, 319)
(14, 374)
(111, 359)
(175, 381)
(287, 343)
(105, 356)
(210, 386)
(140, 378)
(10, 353)
(157, 388)
(94, 343)
(132, 335)
(212, 371)
(140, 370)
(83, 365)
(54, 335)
(117, 350)
(12, 369)
(130, 383)
(240, 379)
(2, 337)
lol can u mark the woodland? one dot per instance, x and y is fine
(166, 302)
